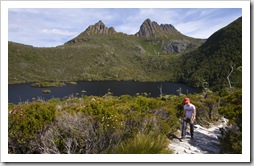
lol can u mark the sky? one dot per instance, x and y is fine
(50, 27)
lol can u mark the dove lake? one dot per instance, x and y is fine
(26, 92)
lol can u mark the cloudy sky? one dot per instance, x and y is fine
(49, 27)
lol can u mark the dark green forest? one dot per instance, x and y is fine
(212, 62)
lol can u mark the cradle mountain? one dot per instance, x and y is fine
(155, 53)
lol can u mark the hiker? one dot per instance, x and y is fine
(189, 114)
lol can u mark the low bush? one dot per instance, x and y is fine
(25, 121)
(231, 109)
(93, 124)
(144, 144)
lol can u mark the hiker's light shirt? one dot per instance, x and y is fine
(189, 110)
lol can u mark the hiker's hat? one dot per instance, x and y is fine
(186, 100)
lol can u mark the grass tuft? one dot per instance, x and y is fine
(145, 144)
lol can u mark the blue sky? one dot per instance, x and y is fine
(49, 27)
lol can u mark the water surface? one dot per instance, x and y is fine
(25, 92)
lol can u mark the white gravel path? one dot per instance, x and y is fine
(205, 141)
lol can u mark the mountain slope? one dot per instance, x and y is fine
(118, 58)
(212, 62)
(155, 53)
(167, 37)
(100, 53)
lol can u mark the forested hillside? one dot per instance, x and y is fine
(212, 62)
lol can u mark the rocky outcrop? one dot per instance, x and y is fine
(139, 49)
(77, 41)
(151, 29)
(174, 46)
(177, 46)
(100, 28)
(172, 41)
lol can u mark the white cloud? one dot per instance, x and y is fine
(133, 18)
(128, 29)
(205, 26)
(62, 24)
(58, 32)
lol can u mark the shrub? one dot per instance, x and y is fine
(25, 121)
(231, 142)
(231, 109)
(46, 91)
(144, 144)
(74, 134)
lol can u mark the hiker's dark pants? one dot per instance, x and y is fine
(184, 126)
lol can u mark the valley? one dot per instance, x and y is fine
(109, 124)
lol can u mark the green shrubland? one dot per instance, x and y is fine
(111, 124)
(101, 58)
(47, 84)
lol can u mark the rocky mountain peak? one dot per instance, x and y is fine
(99, 28)
(153, 29)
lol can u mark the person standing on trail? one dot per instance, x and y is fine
(189, 114)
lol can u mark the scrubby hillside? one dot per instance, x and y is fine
(155, 53)
(101, 53)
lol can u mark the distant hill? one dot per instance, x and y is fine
(212, 62)
(155, 53)
(101, 53)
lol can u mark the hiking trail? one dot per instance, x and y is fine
(205, 140)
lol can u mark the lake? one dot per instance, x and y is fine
(25, 92)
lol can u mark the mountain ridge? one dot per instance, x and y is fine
(148, 29)
(151, 29)
(109, 55)
(100, 28)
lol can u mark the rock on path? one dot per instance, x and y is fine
(205, 141)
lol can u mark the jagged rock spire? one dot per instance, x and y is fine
(149, 29)
(153, 29)
(99, 28)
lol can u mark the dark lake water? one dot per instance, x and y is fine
(25, 92)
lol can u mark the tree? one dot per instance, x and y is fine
(232, 69)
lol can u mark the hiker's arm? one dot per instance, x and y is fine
(184, 112)
(193, 116)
